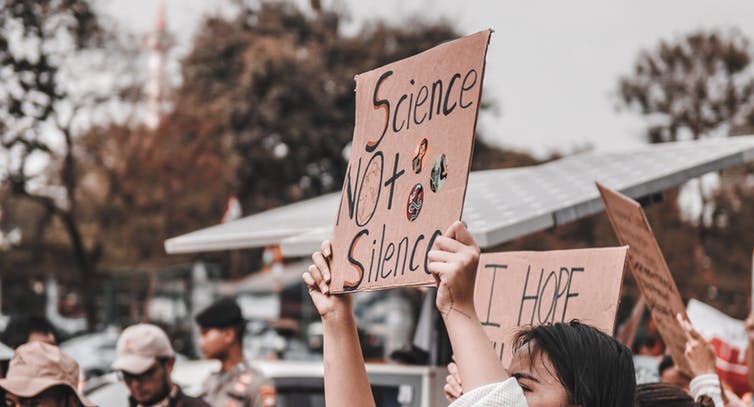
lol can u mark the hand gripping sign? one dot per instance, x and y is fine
(409, 164)
(516, 289)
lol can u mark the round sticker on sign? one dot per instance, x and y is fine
(415, 202)
(439, 173)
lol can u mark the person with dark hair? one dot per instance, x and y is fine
(22, 329)
(237, 383)
(553, 365)
(671, 374)
(145, 359)
(593, 368)
(666, 395)
(42, 375)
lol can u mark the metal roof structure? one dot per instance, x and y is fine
(500, 205)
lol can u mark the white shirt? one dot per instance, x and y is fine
(707, 385)
(502, 394)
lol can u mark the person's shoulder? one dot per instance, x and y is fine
(188, 401)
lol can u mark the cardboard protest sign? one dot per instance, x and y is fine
(409, 164)
(728, 338)
(532, 288)
(646, 262)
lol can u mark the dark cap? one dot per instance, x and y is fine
(223, 313)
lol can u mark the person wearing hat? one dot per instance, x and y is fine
(145, 359)
(42, 375)
(237, 384)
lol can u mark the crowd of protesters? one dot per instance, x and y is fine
(40, 374)
(561, 364)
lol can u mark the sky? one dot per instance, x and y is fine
(552, 66)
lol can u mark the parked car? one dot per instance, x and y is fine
(300, 384)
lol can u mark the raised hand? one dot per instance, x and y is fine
(452, 388)
(453, 261)
(317, 278)
(699, 353)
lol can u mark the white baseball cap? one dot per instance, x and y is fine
(139, 347)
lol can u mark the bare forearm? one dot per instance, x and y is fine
(478, 364)
(346, 381)
(627, 332)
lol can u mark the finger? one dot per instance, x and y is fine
(685, 326)
(447, 244)
(450, 393)
(326, 248)
(450, 231)
(453, 368)
(463, 235)
(321, 263)
(317, 276)
(441, 256)
(447, 392)
(440, 269)
(455, 385)
(309, 280)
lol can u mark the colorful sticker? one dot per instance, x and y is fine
(439, 173)
(415, 202)
(420, 154)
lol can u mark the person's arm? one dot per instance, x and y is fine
(453, 261)
(701, 360)
(346, 382)
(627, 331)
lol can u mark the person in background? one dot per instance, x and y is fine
(144, 360)
(237, 384)
(671, 374)
(42, 375)
(22, 329)
(666, 395)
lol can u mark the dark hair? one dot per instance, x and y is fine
(641, 341)
(62, 392)
(665, 364)
(663, 395)
(21, 326)
(595, 369)
(240, 329)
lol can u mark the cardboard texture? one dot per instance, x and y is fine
(648, 266)
(532, 288)
(409, 164)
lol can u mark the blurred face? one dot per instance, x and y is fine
(215, 342)
(537, 379)
(674, 376)
(53, 397)
(152, 385)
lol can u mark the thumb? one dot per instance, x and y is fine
(463, 235)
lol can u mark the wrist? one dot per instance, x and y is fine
(338, 315)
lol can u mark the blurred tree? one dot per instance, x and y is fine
(701, 86)
(276, 84)
(52, 54)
